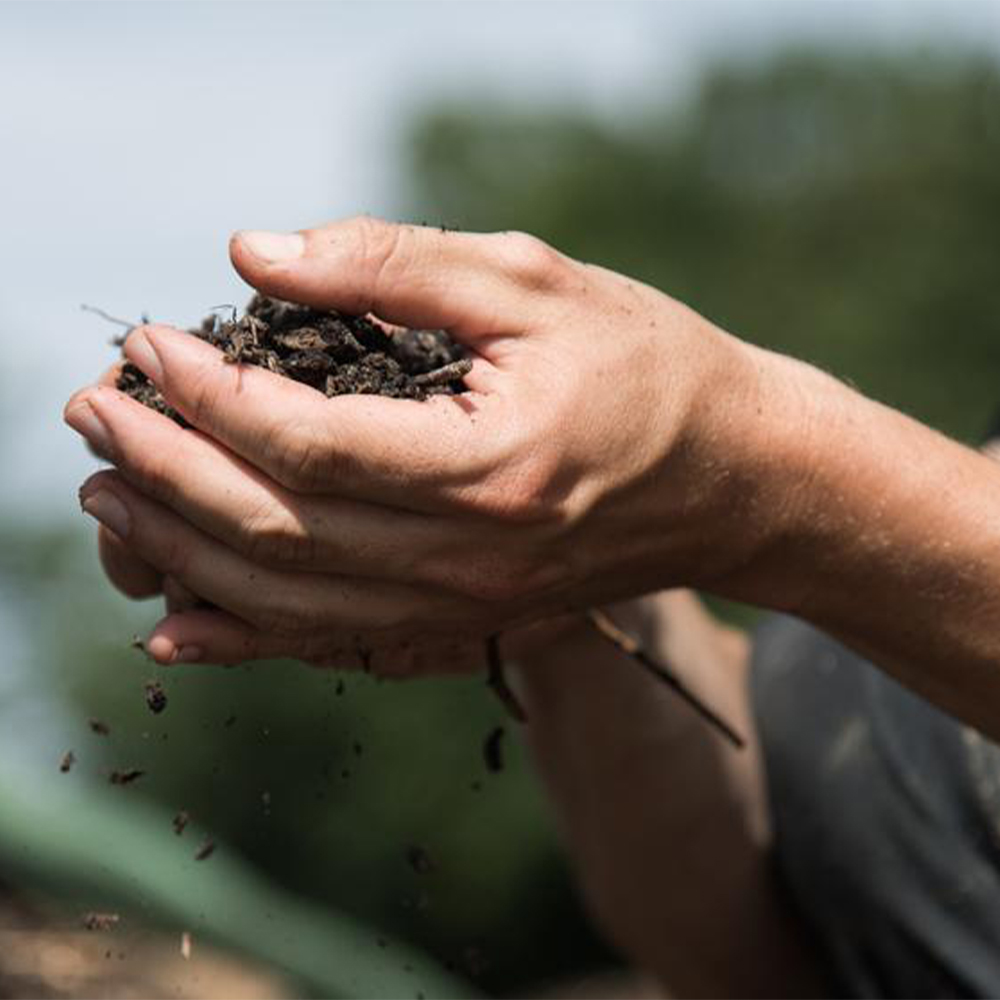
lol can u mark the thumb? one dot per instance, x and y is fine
(468, 283)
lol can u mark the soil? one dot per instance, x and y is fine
(206, 850)
(180, 822)
(493, 750)
(419, 860)
(334, 353)
(67, 761)
(94, 921)
(156, 697)
(99, 727)
(125, 777)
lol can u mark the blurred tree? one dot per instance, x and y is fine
(837, 207)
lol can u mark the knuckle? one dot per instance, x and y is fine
(154, 471)
(498, 583)
(298, 457)
(380, 246)
(274, 537)
(528, 494)
(203, 401)
(174, 557)
(282, 620)
(534, 264)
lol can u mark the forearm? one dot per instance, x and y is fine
(884, 533)
(664, 819)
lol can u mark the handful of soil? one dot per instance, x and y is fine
(333, 352)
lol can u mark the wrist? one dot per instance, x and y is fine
(751, 467)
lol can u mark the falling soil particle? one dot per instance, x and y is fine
(493, 750)
(419, 860)
(334, 353)
(125, 777)
(99, 727)
(94, 921)
(181, 821)
(156, 697)
(230, 722)
(357, 748)
(205, 851)
(339, 689)
(67, 761)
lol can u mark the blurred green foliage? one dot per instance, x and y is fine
(839, 207)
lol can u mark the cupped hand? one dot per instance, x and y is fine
(583, 465)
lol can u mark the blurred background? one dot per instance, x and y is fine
(820, 178)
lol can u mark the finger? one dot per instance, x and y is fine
(130, 574)
(213, 636)
(369, 447)
(286, 603)
(229, 499)
(468, 283)
(178, 598)
(108, 378)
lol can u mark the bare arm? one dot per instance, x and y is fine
(887, 535)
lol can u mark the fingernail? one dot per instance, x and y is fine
(274, 248)
(140, 351)
(84, 420)
(110, 511)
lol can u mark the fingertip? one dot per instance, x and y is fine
(162, 649)
(267, 248)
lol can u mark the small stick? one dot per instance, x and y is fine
(497, 680)
(107, 316)
(630, 647)
(442, 376)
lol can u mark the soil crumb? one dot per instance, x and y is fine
(334, 353)
(99, 727)
(206, 850)
(125, 777)
(156, 697)
(67, 761)
(419, 860)
(94, 921)
(180, 822)
(493, 750)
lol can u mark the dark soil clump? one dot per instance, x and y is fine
(156, 697)
(206, 850)
(335, 353)
(125, 777)
(419, 860)
(493, 750)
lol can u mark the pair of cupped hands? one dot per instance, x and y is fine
(592, 458)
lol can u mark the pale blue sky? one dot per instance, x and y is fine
(135, 137)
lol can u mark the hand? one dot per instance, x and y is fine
(599, 453)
